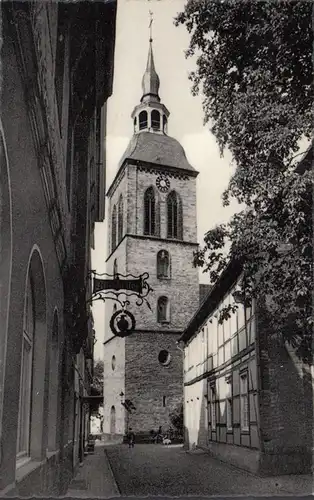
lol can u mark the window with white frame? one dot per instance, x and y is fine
(244, 401)
(213, 406)
(26, 375)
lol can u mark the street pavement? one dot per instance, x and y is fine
(170, 471)
(94, 477)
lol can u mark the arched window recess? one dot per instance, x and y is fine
(163, 264)
(143, 120)
(163, 310)
(155, 120)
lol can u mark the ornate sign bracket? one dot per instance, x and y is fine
(120, 287)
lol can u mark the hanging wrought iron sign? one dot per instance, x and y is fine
(120, 287)
(122, 323)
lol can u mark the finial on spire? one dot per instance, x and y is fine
(151, 26)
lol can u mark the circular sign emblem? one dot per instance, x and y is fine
(122, 323)
(162, 183)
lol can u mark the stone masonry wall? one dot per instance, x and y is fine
(181, 289)
(147, 381)
(285, 406)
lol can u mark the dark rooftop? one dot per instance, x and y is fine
(157, 148)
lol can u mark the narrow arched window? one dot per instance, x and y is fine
(143, 119)
(115, 268)
(149, 212)
(174, 216)
(120, 219)
(114, 228)
(112, 420)
(163, 315)
(155, 120)
(163, 264)
(25, 404)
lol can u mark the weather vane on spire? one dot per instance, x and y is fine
(151, 26)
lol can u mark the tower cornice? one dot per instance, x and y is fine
(155, 168)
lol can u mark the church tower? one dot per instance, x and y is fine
(153, 229)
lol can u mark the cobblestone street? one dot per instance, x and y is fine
(161, 470)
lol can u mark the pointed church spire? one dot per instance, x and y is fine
(150, 81)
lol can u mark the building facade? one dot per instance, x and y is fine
(56, 75)
(152, 205)
(247, 397)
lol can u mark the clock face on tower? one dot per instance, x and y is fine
(163, 184)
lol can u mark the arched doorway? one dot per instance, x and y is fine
(112, 420)
(5, 259)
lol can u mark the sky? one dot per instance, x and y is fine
(185, 122)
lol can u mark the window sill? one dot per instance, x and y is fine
(24, 467)
(51, 453)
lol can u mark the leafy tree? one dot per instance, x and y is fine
(254, 70)
(97, 385)
(98, 377)
(176, 418)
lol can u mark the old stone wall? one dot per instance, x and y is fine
(154, 389)
(285, 405)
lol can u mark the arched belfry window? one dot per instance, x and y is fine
(155, 119)
(114, 228)
(174, 216)
(143, 120)
(163, 264)
(120, 218)
(149, 212)
(163, 310)
(165, 124)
